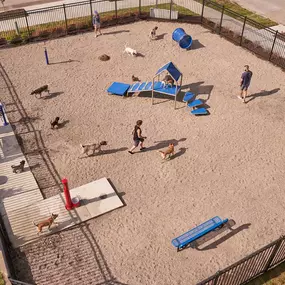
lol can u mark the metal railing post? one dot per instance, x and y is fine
(216, 278)
(91, 13)
(64, 11)
(244, 22)
(28, 28)
(116, 10)
(202, 14)
(171, 3)
(271, 52)
(278, 243)
(221, 22)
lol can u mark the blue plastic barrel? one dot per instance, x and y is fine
(184, 40)
(178, 34)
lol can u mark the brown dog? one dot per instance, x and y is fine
(46, 223)
(87, 148)
(18, 168)
(54, 123)
(168, 152)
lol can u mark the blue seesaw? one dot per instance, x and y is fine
(184, 40)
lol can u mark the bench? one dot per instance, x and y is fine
(182, 241)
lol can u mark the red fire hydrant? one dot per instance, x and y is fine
(69, 205)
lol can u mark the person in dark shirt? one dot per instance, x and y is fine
(137, 137)
(245, 82)
(97, 23)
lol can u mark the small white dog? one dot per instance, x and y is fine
(130, 51)
(87, 148)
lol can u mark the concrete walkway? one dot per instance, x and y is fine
(22, 203)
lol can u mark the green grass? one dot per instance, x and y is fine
(86, 20)
(244, 12)
(275, 276)
(2, 281)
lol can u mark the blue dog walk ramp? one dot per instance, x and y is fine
(199, 111)
(118, 88)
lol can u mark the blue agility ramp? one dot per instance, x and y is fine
(184, 40)
(118, 88)
(182, 241)
(199, 111)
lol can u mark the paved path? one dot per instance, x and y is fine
(272, 9)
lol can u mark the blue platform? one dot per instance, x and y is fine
(118, 88)
(192, 235)
(199, 111)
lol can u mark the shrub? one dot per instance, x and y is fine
(16, 40)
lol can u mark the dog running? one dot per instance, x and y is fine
(54, 123)
(87, 148)
(18, 168)
(46, 223)
(40, 90)
(130, 51)
(152, 34)
(168, 153)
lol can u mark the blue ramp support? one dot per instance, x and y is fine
(199, 111)
(182, 241)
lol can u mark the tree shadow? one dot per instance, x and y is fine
(116, 32)
(52, 95)
(31, 119)
(196, 45)
(86, 253)
(261, 94)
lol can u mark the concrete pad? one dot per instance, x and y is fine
(90, 195)
(98, 197)
(19, 201)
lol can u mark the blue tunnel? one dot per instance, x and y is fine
(184, 40)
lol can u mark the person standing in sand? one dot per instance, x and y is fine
(137, 137)
(97, 23)
(245, 82)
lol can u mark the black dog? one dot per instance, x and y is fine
(40, 90)
(54, 123)
(18, 168)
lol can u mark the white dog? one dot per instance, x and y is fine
(86, 148)
(130, 51)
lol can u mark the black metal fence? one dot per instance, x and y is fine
(251, 266)
(22, 26)
(263, 41)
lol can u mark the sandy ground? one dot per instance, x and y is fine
(230, 163)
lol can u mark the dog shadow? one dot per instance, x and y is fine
(140, 55)
(52, 95)
(160, 37)
(181, 151)
(62, 124)
(104, 152)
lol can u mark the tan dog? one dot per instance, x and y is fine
(168, 152)
(87, 148)
(46, 223)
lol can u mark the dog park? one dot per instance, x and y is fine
(228, 163)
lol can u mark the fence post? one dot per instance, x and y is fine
(221, 19)
(244, 22)
(28, 28)
(202, 14)
(278, 243)
(271, 52)
(116, 10)
(216, 278)
(171, 3)
(64, 11)
(140, 7)
(90, 2)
